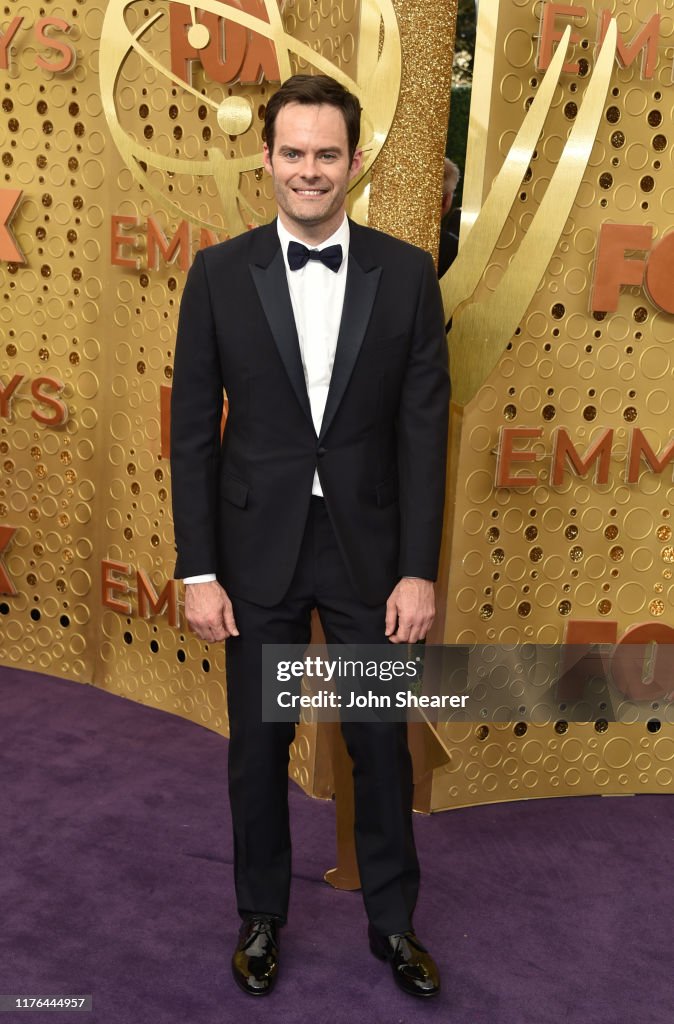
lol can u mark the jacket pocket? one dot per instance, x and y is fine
(234, 491)
(387, 492)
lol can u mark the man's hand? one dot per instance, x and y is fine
(209, 611)
(410, 610)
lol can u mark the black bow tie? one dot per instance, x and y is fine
(299, 256)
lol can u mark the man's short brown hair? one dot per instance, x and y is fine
(315, 90)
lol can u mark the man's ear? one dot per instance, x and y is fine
(266, 158)
(356, 163)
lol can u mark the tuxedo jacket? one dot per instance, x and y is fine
(240, 502)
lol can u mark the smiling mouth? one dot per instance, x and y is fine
(310, 193)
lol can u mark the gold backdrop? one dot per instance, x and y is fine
(548, 374)
(130, 136)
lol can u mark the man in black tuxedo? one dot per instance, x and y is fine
(326, 491)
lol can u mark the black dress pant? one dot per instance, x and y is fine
(258, 751)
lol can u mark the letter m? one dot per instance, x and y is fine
(565, 449)
(150, 603)
(647, 41)
(639, 447)
(158, 244)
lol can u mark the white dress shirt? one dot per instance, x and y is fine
(317, 297)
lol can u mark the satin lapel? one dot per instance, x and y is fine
(361, 290)
(272, 288)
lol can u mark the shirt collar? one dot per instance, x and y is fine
(340, 237)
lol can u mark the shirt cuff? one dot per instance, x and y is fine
(206, 577)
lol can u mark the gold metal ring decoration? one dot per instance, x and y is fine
(377, 85)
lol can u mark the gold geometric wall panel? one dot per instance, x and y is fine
(131, 136)
(531, 559)
(94, 263)
(562, 525)
(495, 762)
(95, 240)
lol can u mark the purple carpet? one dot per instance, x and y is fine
(116, 881)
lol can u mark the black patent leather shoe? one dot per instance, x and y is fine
(414, 969)
(255, 960)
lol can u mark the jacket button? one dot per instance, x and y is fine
(322, 451)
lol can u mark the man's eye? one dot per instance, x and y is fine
(291, 154)
(329, 156)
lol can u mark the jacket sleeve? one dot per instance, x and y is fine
(422, 428)
(196, 413)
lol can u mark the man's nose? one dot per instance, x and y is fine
(309, 168)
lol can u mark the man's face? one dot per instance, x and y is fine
(310, 168)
